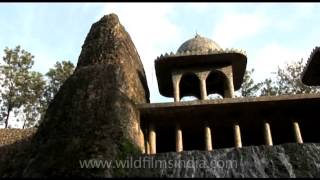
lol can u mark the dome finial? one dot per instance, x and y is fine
(197, 35)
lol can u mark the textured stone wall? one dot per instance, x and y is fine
(287, 160)
(10, 136)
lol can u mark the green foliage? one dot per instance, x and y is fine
(19, 85)
(56, 77)
(288, 81)
(249, 87)
(33, 107)
(25, 91)
(269, 88)
(126, 149)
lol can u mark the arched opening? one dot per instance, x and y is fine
(166, 139)
(189, 86)
(216, 84)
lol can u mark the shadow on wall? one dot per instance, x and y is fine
(144, 83)
(15, 157)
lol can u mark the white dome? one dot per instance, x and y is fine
(198, 43)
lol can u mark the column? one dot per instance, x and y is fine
(229, 87)
(207, 135)
(176, 89)
(179, 142)
(267, 134)
(147, 146)
(152, 138)
(146, 142)
(237, 135)
(141, 134)
(297, 133)
(229, 91)
(203, 89)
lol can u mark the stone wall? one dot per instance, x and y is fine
(10, 136)
(282, 161)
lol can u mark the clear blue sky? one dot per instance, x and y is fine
(270, 33)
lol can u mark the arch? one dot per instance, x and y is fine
(216, 83)
(189, 85)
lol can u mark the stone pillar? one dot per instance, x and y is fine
(146, 141)
(229, 91)
(207, 135)
(176, 83)
(237, 135)
(147, 146)
(229, 87)
(297, 133)
(152, 138)
(143, 149)
(203, 87)
(267, 134)
(179, 141)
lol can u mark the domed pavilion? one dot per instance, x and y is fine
(198, 68)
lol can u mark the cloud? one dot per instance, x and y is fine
(151, 31)
(233, 27)
(268, 58)
(304, 9)
(43, 62)
(198, 6)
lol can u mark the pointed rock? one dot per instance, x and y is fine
(94, 114)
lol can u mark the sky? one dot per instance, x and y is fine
(272, 34)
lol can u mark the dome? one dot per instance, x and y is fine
(198, 43)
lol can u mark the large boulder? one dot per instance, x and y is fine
(94, 114)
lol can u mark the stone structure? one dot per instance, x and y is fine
(262, 121)
(94, 114)
(200, 67)
(11, 136)
(290, 160)
(311, 73)
(102, 112)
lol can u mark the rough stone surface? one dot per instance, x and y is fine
(10, 136)
(287, 160)
(94, 114)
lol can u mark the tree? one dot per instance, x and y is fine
(288, 81)
(249, 87)
(269, 88)
(33, 107)
(18, 82)
(56, 77)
